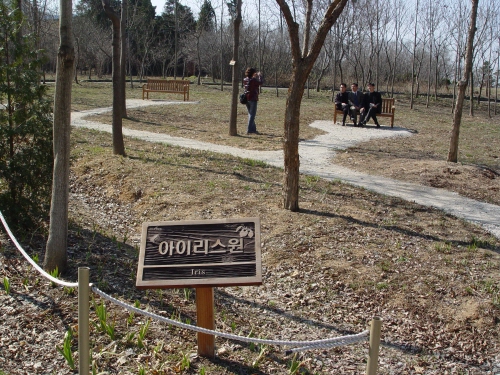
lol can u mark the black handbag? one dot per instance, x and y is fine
(243, 98)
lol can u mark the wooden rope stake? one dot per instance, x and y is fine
(83, 320)
(371, 366)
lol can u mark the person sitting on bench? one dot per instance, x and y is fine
(372, 104)
(355, 102)
(342, 101)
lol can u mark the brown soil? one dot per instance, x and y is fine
(420, 158)
(348, 255)
(380, 159)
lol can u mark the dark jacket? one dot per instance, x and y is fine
(372, 97)
(341, 97)
(352, 100)
(252, 87)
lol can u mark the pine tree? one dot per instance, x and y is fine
(25, 126)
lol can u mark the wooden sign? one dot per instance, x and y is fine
(200, 253)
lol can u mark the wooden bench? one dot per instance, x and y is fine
(164, 85)
(388, 110)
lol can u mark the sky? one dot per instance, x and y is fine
(193, 4)
(159, 5)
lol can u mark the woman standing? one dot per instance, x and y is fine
(252, 81)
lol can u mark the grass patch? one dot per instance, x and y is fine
(327, 269)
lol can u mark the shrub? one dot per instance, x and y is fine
(26, 156)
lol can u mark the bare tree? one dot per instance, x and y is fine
(462, 85)
(303, 61)
(320, 69)
(374, 45)
(431, 19)
(340, 49)
(459, 26)
(484, 17)
(275, 56)
(418, 54)
(55, 254)
(118, 144)
(38, 12)
(399, 28)
(357, 53)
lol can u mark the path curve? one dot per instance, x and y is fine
(316, 159)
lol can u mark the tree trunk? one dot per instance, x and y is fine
(481, 85)
(455, 78)
(221, 48)
(77, 58)
(56, 254)
(302, 65)
(236, 79)
(291, 140)
(334, 70)
(429, 75)
(130, 62)
(414, 57)
(436, 76)
(176, 39)
(276, 83)
(496, 80)
(462, 85)
(471, 89)
(198, 58)
(123, 59)
(488, 86)
(118, 145)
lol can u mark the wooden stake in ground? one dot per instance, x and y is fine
(372, 364)
(205, 319)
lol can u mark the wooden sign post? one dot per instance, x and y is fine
(205, 318)
(200, 254)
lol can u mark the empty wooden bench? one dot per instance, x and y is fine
(166, 85)
(388, 110)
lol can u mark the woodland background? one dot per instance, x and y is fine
(402, 46)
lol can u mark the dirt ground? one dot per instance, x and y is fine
(477, 182)
(420, 158)
(348, 255)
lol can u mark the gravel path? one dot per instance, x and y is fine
(316, 159)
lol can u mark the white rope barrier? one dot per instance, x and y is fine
(325, 343)
(302, 345)
(346, 340)
(31, 261)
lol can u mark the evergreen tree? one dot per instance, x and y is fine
(25, 126)
(185, 20)
(206, 18)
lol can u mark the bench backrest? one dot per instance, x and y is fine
(387, 105)
(170, 85)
